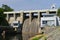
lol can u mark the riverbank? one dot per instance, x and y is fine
(38, 37)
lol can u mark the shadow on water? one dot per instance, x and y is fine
(15, 37)
(11, 37)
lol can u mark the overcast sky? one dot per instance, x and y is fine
(30, 4)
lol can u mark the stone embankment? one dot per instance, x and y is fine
(54, 35)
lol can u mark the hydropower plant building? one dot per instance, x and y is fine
(30, 20)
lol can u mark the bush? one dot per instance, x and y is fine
(37, 38)
(58, 12)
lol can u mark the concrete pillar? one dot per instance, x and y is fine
(38, 18)
(30, 17)
(7, 17)
(47, 11)
(14, 17)
(21, 20)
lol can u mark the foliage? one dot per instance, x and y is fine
(4, 8)
(42, 37)
(1, 13)
(37, 38)
(58, 13)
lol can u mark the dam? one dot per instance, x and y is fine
(30, 20)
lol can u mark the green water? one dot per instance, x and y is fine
(15, 37)
(11, 37)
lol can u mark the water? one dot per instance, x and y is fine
(15, 37)
(11, 37)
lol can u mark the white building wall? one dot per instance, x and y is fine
(58, 21)
(51, 20)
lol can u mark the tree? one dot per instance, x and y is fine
(58, 12)
(3, 21)
(6, 8)
(1, 12)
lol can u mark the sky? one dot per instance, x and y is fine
(30, 4)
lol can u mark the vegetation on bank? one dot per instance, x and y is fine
(38, 37)
(4, 8)
(58, 12)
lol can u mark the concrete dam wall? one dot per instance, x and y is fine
(30, 29)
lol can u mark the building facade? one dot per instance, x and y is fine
(49, 20)
(21, 15)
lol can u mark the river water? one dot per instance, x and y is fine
(11, 37)
(15, 37)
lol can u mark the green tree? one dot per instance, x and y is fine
(1, 15)
(4, 8)
(1, 12)
(58, 12)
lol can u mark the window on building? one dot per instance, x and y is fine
(52, 12)
(15, 24)
(42, 14)
(49, 15)
(44, 22)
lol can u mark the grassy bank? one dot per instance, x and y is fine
(38, 37)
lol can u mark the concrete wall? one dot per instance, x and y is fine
(30, 12)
